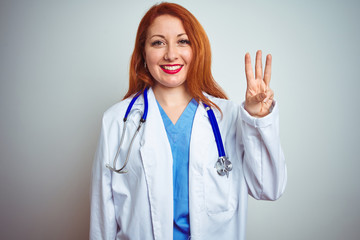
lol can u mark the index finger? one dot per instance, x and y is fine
(248, 68)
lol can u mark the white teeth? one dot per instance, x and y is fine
(172, 67)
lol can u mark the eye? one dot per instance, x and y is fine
(184, 42)
(157, 43)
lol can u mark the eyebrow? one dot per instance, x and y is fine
(162, 36)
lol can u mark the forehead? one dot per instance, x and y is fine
(166, 25)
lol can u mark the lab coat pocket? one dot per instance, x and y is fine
(218, 191)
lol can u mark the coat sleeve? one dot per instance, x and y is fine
(263, 159)
(102, 217)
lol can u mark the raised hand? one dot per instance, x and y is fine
(259, 96)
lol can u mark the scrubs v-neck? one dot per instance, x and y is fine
(179, 139)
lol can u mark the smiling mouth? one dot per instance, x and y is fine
(171, 69)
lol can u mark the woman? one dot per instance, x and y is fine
(170, 188)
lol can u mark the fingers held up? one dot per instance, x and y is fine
(259, 96)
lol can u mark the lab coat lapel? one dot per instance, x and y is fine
(202, 138)
(202, 150)
(157, 161)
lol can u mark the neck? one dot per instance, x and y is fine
(172, 97)
(172, 100)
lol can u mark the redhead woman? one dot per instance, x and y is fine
(176, 159)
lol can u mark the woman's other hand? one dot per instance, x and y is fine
(259, 96)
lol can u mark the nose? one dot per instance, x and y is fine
(171, 53)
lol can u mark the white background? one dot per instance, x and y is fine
(63, 63)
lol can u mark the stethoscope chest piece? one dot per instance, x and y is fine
(223, 166)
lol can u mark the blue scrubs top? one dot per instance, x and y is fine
(179, 139)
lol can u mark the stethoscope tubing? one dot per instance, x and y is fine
(142, 121)
(223, 165)
(143, 118)
(216, 131)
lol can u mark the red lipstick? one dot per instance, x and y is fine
(171, 68)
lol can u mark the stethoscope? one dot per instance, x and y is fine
(223, 165)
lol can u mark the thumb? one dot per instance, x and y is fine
(257, 98)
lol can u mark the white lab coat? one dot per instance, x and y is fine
(138, 205)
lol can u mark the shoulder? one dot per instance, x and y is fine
(224, 104)
(116, 112)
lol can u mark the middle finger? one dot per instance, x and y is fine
(258, 65)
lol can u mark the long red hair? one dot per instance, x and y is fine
(199, 78)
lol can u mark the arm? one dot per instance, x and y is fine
(102, 218)
(263, 159)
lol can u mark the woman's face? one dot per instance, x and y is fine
(167, 51)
